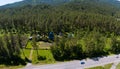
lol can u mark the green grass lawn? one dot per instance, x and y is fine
(26, 52)
(98, 67)
(41, 45)
(10, 67)
(118, 66)
(29, 46)
(43, 53)
(108, 66)
(44, 45)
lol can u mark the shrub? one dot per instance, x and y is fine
(67, 49)
(41, 58)
(72, 48)
(94, 44)
(115, 48)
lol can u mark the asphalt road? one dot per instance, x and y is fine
(76, 64)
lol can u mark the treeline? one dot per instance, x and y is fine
(11, 46)
(84, 45)
(63, 18)
(91, 22)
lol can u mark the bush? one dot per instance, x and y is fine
(10, 50)
(41, 58)
(67, 49)
(71, 48)
(115, 48)
(94, 44)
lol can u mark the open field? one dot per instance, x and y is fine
(10, 67)
(43, 51)
(118, 66)
(108, 66)
(41, 45)
(44, 45)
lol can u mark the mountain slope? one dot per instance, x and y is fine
(34, 2)
(82, 14)
(113, 2)
(55, 2)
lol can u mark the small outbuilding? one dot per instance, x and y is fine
(51, 36)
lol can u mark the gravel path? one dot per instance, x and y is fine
(31, 52)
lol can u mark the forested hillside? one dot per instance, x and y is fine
(55, 2)
(89, 28)
(35, 2)
(66, 18)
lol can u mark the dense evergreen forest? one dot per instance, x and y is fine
(67, 17)
(94, 24)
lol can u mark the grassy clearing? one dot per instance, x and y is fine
(43, 53)
(26, 52)
(98, 67)
(29, 46)
(41, 45)
(10, 67)
(108, 43)
(118, 66)
(44, 45)
(107, 66)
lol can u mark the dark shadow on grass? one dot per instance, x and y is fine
(41, 58)
(27, 60)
